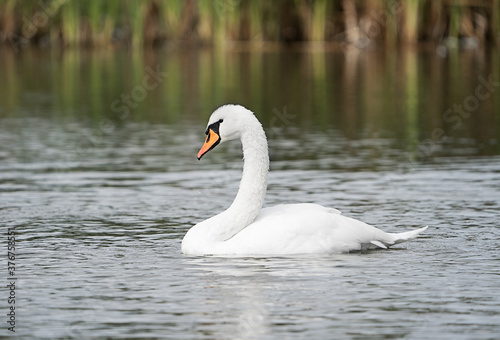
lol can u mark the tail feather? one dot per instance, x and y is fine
(385, 240)
(379, 244)
(407, 236)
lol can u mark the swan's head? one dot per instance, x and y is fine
(226, 123)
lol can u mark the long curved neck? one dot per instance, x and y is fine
(248, 202)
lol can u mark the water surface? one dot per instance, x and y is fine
(101, 200)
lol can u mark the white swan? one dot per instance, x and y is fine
(246, 229)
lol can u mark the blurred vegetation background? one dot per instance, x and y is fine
(97, 23)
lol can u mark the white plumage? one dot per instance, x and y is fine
(247, 229)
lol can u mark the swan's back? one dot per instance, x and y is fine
(307, 228)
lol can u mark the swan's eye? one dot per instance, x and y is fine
(214, 127)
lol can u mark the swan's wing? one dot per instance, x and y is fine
(300, 228)
(308, 228)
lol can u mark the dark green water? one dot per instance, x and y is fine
(409, 96)
(99, 182)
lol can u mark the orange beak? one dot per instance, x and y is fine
(213, 139)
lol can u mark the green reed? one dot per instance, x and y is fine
(139, 23)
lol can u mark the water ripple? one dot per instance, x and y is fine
(99, 242)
